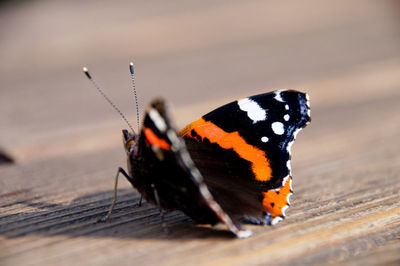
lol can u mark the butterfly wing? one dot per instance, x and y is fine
(164, 173)
(243, 150)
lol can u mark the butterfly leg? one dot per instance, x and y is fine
(122, 171)
(133, 184)
(140, 201)
(157, 199)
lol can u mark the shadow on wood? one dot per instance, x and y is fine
(80, 218)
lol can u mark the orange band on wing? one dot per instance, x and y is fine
(156, 141)
(275, 201)
(205, 129)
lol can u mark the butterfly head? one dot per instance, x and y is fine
(129, 141)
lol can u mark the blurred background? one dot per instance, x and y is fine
(198, 55)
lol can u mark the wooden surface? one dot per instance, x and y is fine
(66, 141)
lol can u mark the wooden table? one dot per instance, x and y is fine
(66, 141)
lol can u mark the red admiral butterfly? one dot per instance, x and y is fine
(232, 165)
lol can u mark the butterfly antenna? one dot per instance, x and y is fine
(86, 71)
(131, 69)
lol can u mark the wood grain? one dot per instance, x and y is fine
(66, 142)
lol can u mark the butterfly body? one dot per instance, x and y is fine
(162, 172)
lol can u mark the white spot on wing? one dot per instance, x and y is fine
(288, 165)
(289, 147)
(308, 105)
(254, 111)
(288, 198)
(286, 117)
(264, 139)
(278, 97)
(287, 107)
(278, 128)
(296, 132)
(276, 220)
(285, 180)
(284, 209)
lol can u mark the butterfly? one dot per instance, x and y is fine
(231, 166)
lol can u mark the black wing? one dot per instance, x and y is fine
(243, 151)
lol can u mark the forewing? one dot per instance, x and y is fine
(249, 142)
